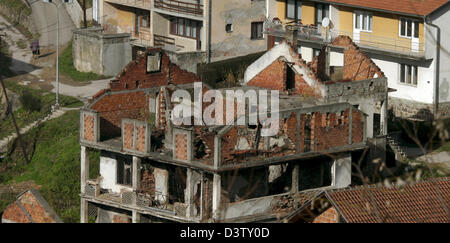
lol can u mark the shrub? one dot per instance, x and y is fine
(30, 102)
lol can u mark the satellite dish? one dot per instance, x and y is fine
(325, 22)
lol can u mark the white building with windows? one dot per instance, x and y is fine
(400, 38)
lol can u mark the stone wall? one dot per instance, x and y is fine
(103, 54)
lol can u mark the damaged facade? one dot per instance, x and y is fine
(152, 170)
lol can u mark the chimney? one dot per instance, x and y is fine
(292, 36)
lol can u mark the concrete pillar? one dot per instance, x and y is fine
(84, 213)
(135, 217)
(192, 180)
(136, 177)
(341, 171)
(384, 117)
(84, 167)
(217, 190)
(161, 185)
(295, 179)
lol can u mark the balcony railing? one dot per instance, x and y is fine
(181, 7)
(363, 39)
(161, 41)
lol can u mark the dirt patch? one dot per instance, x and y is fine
(19, 187)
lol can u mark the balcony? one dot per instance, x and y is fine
(365, 40)
(156, 203)
(145, 4)
(192, 7)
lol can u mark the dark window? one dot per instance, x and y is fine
(294, 9)
(322, 11)
(409, 28)
(315, 173)
(184, 27)
(124, 171)
(229, 28)
(408, 74)
(257, 30)
(290, 79)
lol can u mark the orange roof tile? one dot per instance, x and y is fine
(426, 201)
(413, 7)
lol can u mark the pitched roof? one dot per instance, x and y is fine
(30, 207)
(426, 201)
(412, 7)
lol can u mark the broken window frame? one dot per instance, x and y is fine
(159, 62)
(322, 10)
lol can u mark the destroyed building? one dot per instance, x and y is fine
(152, 170)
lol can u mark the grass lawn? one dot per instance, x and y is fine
(55, 165)
(66, 67)
(24, 116)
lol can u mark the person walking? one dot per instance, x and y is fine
(35, 48)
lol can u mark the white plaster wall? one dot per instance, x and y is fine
(334, 16)
(423, 92)
(307, 53)
(161, 184)
(441, 18)
(336, 59)
(109, 176)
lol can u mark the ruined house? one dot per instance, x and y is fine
(152, 170)
(30, 207)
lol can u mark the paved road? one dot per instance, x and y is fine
(82, 92)
(44, 16)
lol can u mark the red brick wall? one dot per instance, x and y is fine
(88, 126)
(128, 135)
(273, 77)
(181, 147)
(357, 66)
(140, 138)
(327, 133)
(114, 107)
(328, 216)
(229, 141)
(135, 75)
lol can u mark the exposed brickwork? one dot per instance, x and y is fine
(229, 141)
(140, 138)
(88, 125)
(328, 216)
(148, 182)
(114, 107)
(128, 135)
(181, 147)
(357, 66)
(117, 218)
(273, 77)
(135, 75)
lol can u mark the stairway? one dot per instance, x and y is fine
(394, 144)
